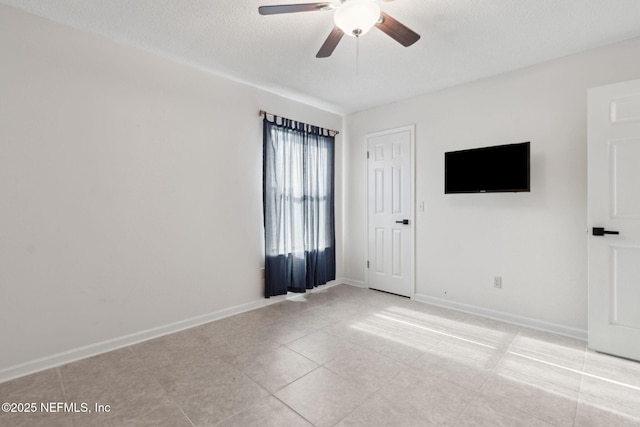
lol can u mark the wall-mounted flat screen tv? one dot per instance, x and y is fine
(497, 169)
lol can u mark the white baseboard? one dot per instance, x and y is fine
(505, 317)
(356, 283)
(73, 355)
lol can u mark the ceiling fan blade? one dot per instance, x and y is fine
(397, 31)
(292, 8)
(330, 43)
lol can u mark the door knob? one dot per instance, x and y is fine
(600, 231)
(404, 221)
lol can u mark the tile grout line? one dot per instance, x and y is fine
(285, 404)
(580, 372)
(324, 365)
(146, 368)
(241, 371)
(584, 364)
(477, 393)
(64, 391)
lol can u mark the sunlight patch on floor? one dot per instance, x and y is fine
(410, 324)
(598, 377)
(412, 329)
(474, 332)
(395, 333)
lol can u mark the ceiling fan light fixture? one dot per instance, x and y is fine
(356, 17)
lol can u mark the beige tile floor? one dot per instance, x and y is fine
(342, 356)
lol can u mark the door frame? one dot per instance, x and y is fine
(412, 132)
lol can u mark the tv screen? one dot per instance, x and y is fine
(497, 169)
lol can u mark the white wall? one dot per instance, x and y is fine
(536, 241)
(130, 190)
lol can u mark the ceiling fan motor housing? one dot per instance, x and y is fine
(356, 17)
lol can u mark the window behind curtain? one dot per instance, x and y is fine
(298, 207)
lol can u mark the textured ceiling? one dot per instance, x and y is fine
(462, 40)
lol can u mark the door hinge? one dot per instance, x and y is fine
(367, 264)
(367, 154)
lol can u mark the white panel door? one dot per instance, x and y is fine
(390, 211)
(614, 207)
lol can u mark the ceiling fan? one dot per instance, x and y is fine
(351, 17)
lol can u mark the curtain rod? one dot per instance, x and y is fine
(264, 113)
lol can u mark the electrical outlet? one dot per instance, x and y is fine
(497, 282)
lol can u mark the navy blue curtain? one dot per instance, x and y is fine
(298, 202)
